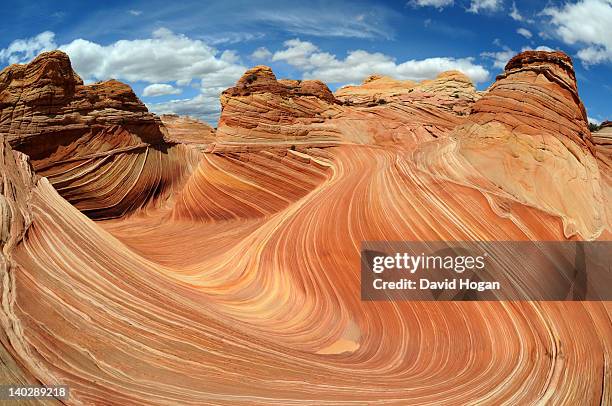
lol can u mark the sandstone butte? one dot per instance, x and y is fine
(150, 261)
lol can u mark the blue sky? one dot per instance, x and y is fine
(178, 56)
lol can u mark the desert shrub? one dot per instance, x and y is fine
(593, 127)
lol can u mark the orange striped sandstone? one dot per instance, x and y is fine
(240, 285)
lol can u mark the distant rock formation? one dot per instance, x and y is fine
(74, 132)
(187, 130)
(374, 88)
(449, 90)
(262, 112)
(603, 145)
(390, 112)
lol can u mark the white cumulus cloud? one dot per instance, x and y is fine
(165, 57)
(202, 106)
(594, 120)
(359, 64)
(538, 48)
(499, 58)
(160, 89)
(23, 50)
(261, 53)
(585, 23)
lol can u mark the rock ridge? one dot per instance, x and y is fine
(44, 104)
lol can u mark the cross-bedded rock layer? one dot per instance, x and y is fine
(97, 144)
(235, 279)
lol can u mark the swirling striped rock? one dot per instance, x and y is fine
(241, 284)
(97, 144)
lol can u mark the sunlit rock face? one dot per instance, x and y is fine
(97, 144)
(223, 266)
(451, 90)
(391, 112)
(262, 112)
(602, 138)
(44, 104)
(187, 130)
(528, 139)
(603, 147)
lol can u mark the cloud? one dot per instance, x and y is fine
(477, 6)
(539, 48)
(359, 64)
(594, 120)
(135, 12)
(594, 55)
(160, 89)
(585, 23)
(515, 14)
(524, 32)
(432, 3)
(499, 58)
(332, 20)
(226, 38)
(298, 53)
(202, 106)
(166, 57)
(261, 53)
(24, 50)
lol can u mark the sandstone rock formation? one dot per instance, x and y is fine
(44, 104)
(452, 90)
(73, 133)
(528, 139)
(187, 130)
(375, 88)
(236, 280)
(261, 112)
(603, 147)
(602, 138)
(389, 112)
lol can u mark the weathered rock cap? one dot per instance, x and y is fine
(44, 104)
(261, 79)
(555, 65)
(49, 74)
(527, 58)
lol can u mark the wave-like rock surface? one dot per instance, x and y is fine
(240, 284)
